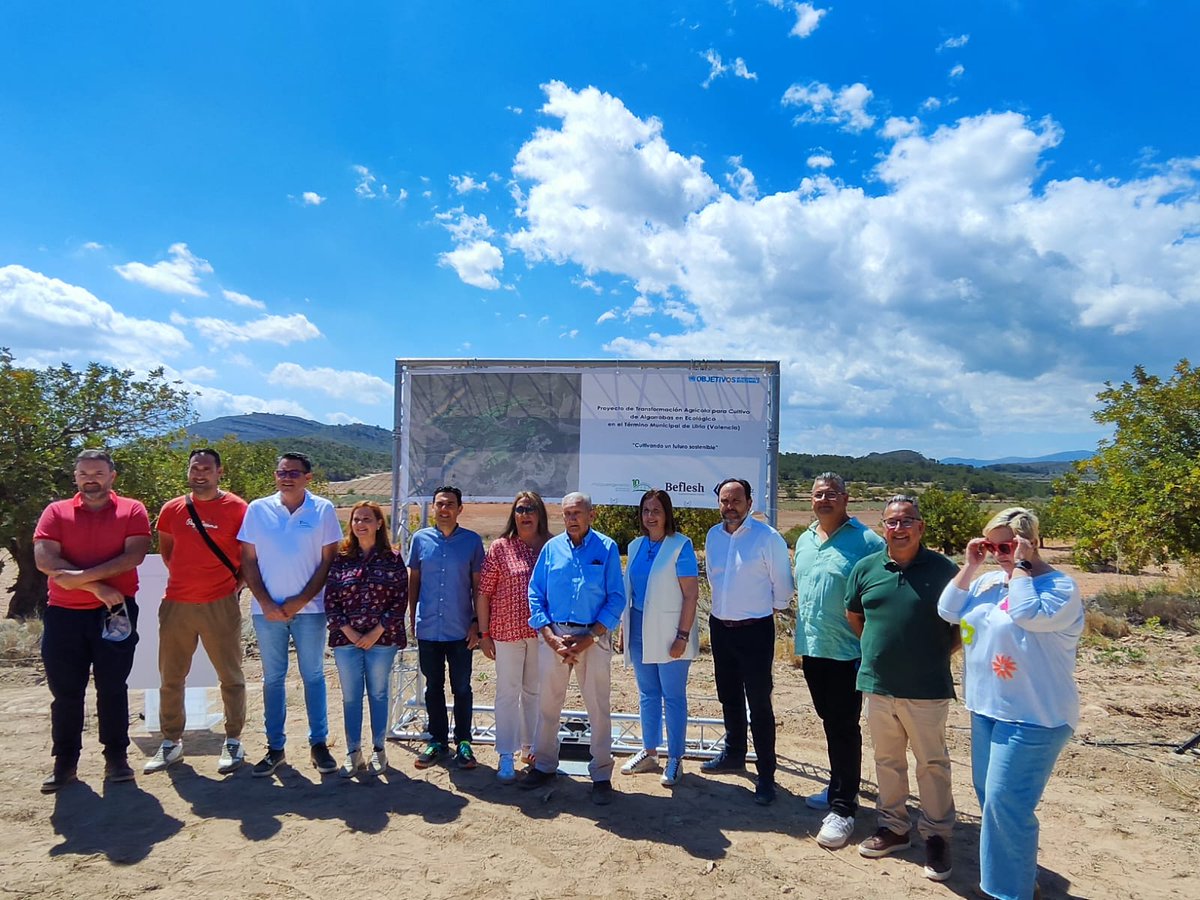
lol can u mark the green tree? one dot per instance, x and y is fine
(952, 518)
(46, 417)
(1138, 499)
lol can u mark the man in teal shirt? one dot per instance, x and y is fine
(891, 603)
(828, 648)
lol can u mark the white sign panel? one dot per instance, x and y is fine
(680, 430)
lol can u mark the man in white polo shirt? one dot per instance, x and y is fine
(288, 543)
(751, 577)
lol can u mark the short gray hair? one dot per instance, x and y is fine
(832, 478)
(577, 497)
(904, 498)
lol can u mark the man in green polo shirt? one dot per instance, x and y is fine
(891, 603)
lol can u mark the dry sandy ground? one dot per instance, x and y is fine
(1116, 821)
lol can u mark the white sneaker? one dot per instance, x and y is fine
(818, 801)
(168, 754)
(353, 764)
(232, 756)
(378, 763)
(673, 772)
(507, 773)
(642, 761)
(835, 831)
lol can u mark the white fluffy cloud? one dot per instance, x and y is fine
(717, 68)
(311, 198)
(956, 294)
(475, 262)
(808, 18)
(465, 184)
(238, 299)
(820, 161)
(344, 385)
(55, 321)
(953, 43)
(269, 329)
(179, 274)
(822, 104)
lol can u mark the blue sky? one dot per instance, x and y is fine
(951, 222)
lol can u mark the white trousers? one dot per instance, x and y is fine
(593, 675)
(516, 694)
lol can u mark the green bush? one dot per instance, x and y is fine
(621, 523)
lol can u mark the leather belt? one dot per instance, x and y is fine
(737, 623)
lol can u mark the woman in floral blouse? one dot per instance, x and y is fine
(1021, 625)
(365, 599)
(502, 605)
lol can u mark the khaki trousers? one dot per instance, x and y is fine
(895, 725)
(593, 674)
(219, 626)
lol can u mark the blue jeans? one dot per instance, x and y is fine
(1010, 765)
(434, 658)
(370, 670)
(661, 686)
(308, 632)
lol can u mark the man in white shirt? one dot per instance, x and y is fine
(751, 577)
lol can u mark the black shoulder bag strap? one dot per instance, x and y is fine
(212, 545)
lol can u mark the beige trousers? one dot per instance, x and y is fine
(895, 725)
(593, 675)
(219, 626)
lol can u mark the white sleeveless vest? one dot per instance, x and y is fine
(661, 605)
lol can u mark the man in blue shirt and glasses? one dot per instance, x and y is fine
(576, 597)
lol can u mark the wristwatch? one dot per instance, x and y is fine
(1024, 564)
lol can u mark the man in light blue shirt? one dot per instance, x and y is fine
(443, 576)
(576, 597)
(829, 649)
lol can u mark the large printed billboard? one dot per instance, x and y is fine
(612, 431)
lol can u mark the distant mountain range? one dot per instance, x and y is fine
(339, 452)
(1067, 456)
(255, 427)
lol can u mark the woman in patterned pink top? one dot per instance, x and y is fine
(366, 595)
(502, 604)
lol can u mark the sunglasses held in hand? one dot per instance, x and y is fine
(999, 548)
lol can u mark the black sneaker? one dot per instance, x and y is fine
(937, 859)
(63, 774)
(117, 770)
(602, 793)
(465, 757)
(723, 762)
(434, 752)
(764, 791)
(269, 763)
(322, 759)
(536, 778)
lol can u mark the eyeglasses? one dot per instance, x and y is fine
(826, 495)
(999, 547)
(524, 510)
(290, 473)
(894, 524)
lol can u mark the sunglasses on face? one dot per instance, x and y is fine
(524, 510)
(289, 473)
(999, 547)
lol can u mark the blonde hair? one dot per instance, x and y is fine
(1022, 521)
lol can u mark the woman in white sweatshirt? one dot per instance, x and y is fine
(1021, 626)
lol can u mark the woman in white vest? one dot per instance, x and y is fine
(659, 627)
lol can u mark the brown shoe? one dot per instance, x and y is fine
(937, 859)
(118, 770)
(883, 842)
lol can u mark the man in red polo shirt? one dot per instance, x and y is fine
(90, 547)
(201, 604)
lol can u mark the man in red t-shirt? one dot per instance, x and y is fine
(90, 547)
(201, 604)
